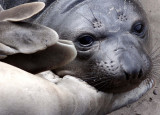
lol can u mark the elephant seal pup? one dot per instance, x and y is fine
(112, 40)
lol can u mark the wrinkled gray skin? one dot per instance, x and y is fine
(117, 58)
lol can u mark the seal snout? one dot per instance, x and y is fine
(131, 67)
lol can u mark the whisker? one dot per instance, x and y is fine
(156, 60)
(155, 63)
(103, 85)
(154, 75)
(103, 27)
(97, 78)
(154, 51)
(90, 78)
(91, 12)
(99, 83)
(95, 19)
(87, 20)
(117, 44)
(154, 46)
(155, 57)
(158, 74)
(155, 66)
(85, 17)
(156, 71)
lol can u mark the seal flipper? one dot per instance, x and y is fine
(21, 12)
(31, 45)
(23, 37)
(55, 56)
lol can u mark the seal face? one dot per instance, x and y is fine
(112, 41)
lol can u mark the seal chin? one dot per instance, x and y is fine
(125, 98)
(124, 87)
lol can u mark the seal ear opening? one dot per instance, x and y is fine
(21, 12)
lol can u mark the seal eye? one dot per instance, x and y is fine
(138, 29)
(86, 40)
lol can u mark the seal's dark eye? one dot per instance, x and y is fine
(86, 40)
(138, 29)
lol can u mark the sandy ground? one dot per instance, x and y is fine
(149, 104)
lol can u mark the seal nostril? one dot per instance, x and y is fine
(140, 74)
(116, 50)
(127, 75)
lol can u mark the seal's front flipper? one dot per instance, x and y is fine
(52, 57)
(21, 12)
(22, 37)
(26, 38)
(31, 47)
